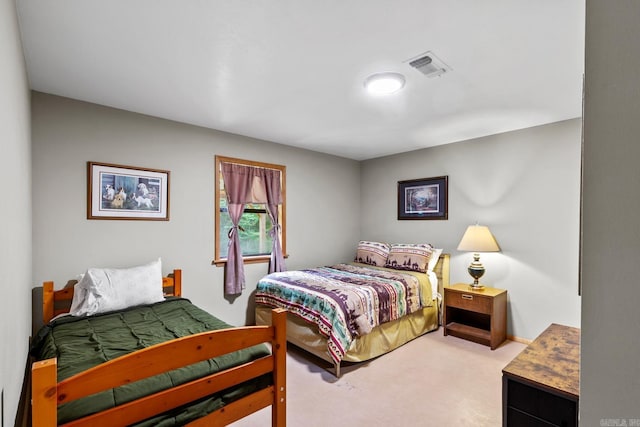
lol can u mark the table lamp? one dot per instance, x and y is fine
(477, 238)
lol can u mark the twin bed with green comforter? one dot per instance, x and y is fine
(168, 363)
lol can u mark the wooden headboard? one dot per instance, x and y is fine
(59, 302)
(442, 271)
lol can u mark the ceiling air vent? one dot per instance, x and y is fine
(429, 65)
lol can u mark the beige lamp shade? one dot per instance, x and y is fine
(478, 238)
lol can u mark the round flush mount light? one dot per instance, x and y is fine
(384, 83)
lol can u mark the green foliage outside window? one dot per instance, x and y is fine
(254, 227)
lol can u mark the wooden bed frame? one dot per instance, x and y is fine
(307, 336)
(48, 393)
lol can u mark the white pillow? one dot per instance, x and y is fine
(107, 289)
(435, 255)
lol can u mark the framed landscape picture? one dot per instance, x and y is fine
(127, 192)
(424, 198)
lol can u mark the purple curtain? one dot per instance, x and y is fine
(274, 198)
(238, 182)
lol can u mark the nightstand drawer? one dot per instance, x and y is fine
(469, 301)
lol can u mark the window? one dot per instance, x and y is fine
(254, 228)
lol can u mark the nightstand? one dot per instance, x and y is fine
(476, 315)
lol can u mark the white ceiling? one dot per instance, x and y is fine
(292, 71)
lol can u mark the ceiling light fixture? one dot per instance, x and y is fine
(384, 83)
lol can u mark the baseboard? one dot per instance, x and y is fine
(518, 339)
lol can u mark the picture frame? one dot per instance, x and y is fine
(424, 198)
(127, 192)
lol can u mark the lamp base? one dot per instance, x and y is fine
(476, 270)
(476, 287)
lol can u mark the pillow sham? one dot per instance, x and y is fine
(372, 253)
(107, 289)
(406, 256)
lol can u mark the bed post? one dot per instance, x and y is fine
(44, 393)
(445, 270)
(47, 302)
(177, 282)
(279, 349)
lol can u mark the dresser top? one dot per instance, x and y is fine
(552, 360)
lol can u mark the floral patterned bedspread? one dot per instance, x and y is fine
(344, 300)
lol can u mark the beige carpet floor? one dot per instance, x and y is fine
(431, 381)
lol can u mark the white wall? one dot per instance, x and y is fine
(610, 371)
(525, 186)
(15, 212)
(322, 199)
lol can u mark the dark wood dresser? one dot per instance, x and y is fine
(541, 386)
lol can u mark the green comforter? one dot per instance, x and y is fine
(81, 343)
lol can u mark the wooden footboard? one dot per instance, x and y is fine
(48, 393)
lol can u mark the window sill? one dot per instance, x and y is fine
(247, 260)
